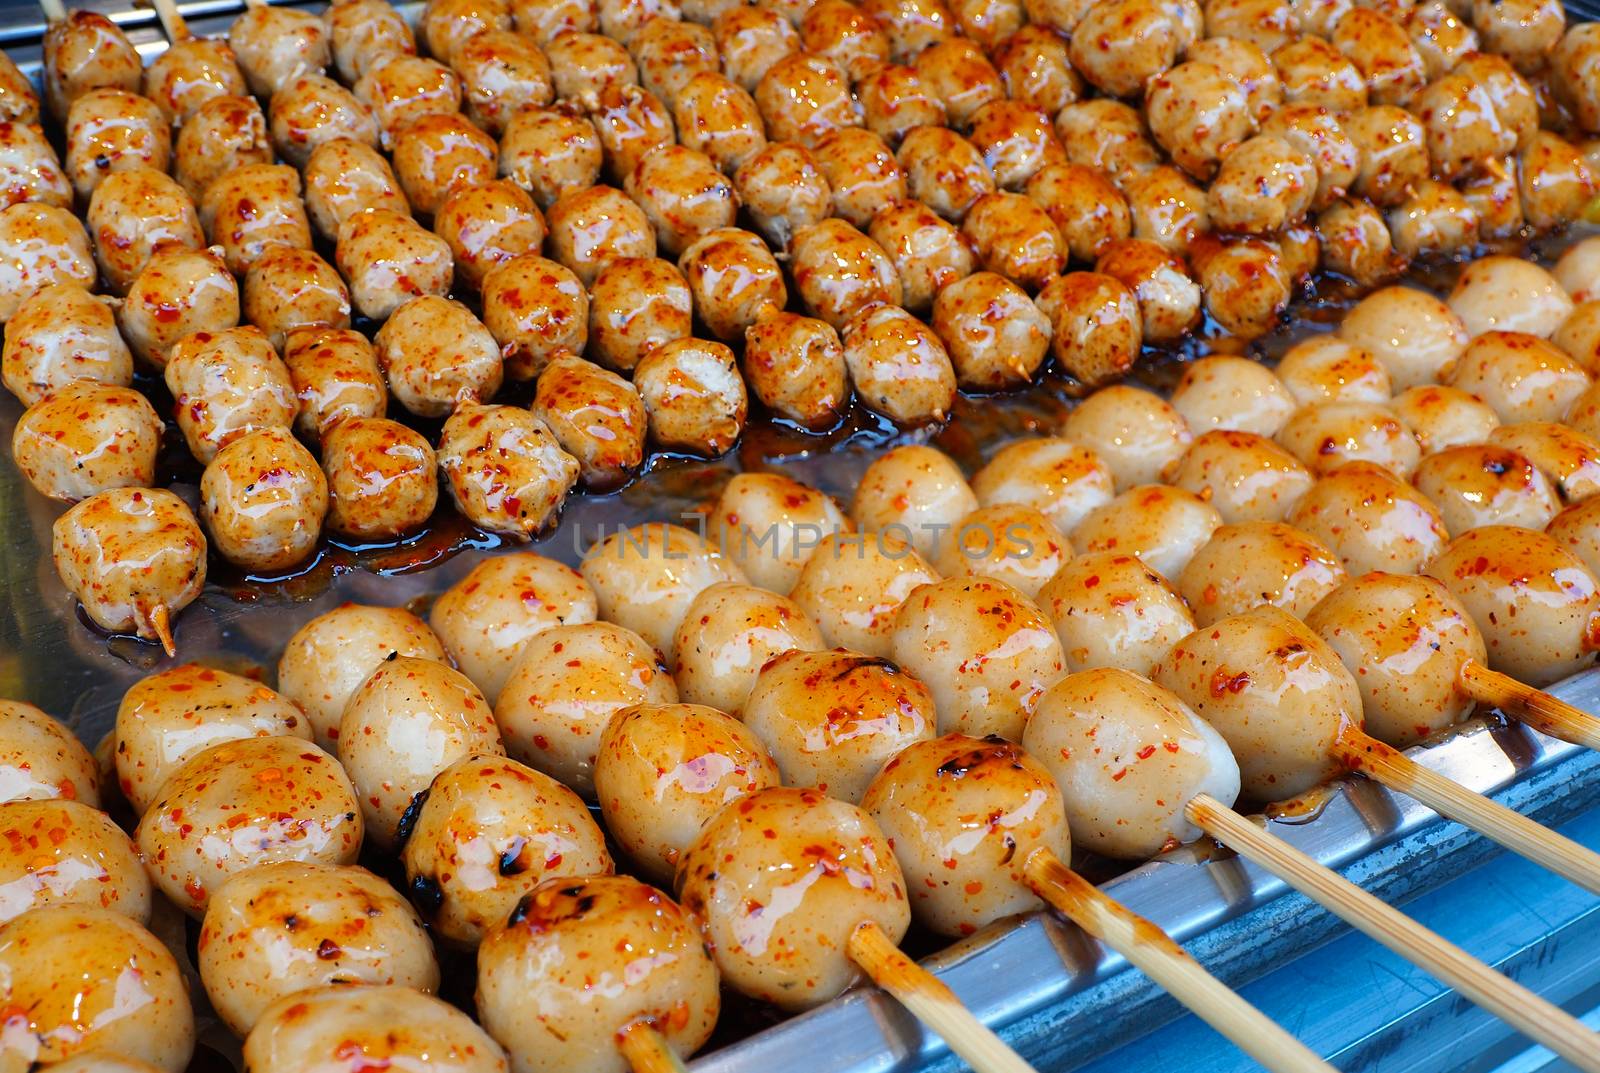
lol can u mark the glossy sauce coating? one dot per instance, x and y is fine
(963, 815)
(388, 260)
(489, 831)
(40, 245)
(779, 907)
(245, 803)
(1061, 479)
(225, 384)
(853, 584)
(178, 293)
(1371, 520)
(263, 499)
(436, 355)
(505, 470)
(596, 416)
(60, 852)
(85, 438)
(41, 760)
(1111, 610)
(1162, 524)
(728, 634)
(131, 214)
(397, 1026)
(60, 335)
(644, 578)
(768, 524)
(345, 177)
(1128, 756)
(839, 271)
(382, 479)
(288, 288)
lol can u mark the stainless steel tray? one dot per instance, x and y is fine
(1059, 997)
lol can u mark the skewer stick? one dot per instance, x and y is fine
(54, 10)
(934, 1004)
(1544, 713)
(1514, 831)
(161, 623)
(1505, 998)
(172, 21)
(1168, 964)
(647, 1050)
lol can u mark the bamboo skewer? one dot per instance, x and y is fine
(934, 1004)
(1505, 998)
(172, 21)
(1168, 964)
(1393, 769)
(647, 1050)
(1543, 712)
(54, 11)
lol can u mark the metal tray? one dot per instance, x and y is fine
(1059, 997)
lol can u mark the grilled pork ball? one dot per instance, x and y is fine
(382, 479)
(397, 1025)
(644, 578)
(223, 134)
(41, 760)
(85, 438)
(263, 499)
(60, 852)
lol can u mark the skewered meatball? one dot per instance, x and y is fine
(645, 577)
(1507, 294)
(1328, 369)
(1483, 484)
(29, 169)
(317, 924)
(562, 938)
(1356, 243)
(252, 208)
(484, 834)
(276, 45)
(1521, 377)
(596, 416)
(751, 41)
(1128, 755)
(84, 52)
(1394, 152)
(768, 524)
(397, 1026)
(40, 245)
(983, 649)
(1016, 140)
(180, 293)
(843, 34)
(411, 719)
(1579, 335)
(169, 718)
(630, 122)
(1325, 436)
(670, 52)
(330, 656)
(591, 228)
(125, 994)
(682, 194)
(131, 214)
(1441, 35)
(1161, 524)
(1524, 31)
(1265, 184)
(335, 375)
(1554, 180)
(693, 395)
(839, 271)
(363, 32)
(1168, 297)
(1245, 476)
(565, 685)
(223, 134)
(1014, 237)
(506, 472)
(928, 252)
(783, 190)
(41, 760)
(1317, 74)
(1267, 661)
(436, 355)
(1120, 45)
(85, 438)
(18, 102)
(1223, 392)
(1089, 212)
(66, 853)
(546, 19)
(960, 77)
(1245, 283)
(898, 365)
(733, 866)
(388, 260)
(447, 24)
(1111, 610)
(1136, 433)
(1574, 529)
(944, 171)
(133, 558)
(852, 585)
(1108, 136)
(263, 499)
(501, 73)
(1007, 542)
(1036, 69)
(584, 64)
(895, 102)
(1533, 600)
(664, 770)
(343, 178)
(59, 335)
(1443, 417)
(1096, 328)
(1573, 76)
(312, 109)
(1412, 333)
(729, 632)
(1166, 208)
(925, 799)
(401, 88)
(795, 365)
(1384, 54)
(637, 305)
(995, 336)
(1252, 564)
(1317, 133)
(537, 311)
(911, 25)
(1061, 479)
(248, 802)
(225, 384)
(435, 153)
(833, 719)
(288, 288)
(1197, 113)
(802, 97)
(382, 482)
(1569, 458)
(1371, 520)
